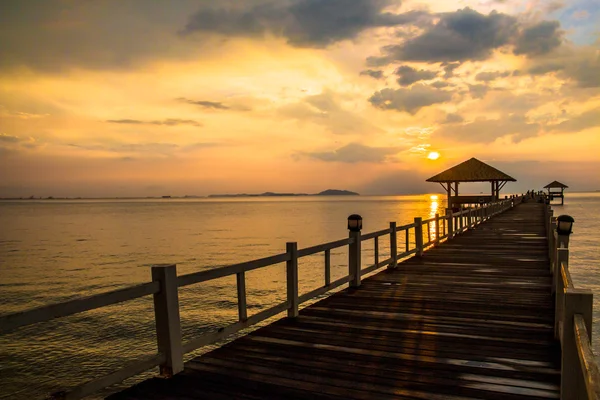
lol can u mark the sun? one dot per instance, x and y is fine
(434, 155)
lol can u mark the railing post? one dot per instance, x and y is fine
(437, 229)
(292, 278)
(354, 258)
(166, 314)
(558, 288)
(327, 267)
(450, 223)
(393, 246)
(572, 384)
(241, 296)
(419, 236)
(552, 243)
(461, 221)
(469, 219)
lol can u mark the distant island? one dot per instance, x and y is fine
(328, 192)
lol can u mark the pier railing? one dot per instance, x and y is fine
(418, 237)
(580, 376)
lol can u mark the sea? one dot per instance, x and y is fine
(56, 250)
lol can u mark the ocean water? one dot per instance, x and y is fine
(51, 251)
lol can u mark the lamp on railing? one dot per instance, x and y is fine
(354, 223)
(564, 225)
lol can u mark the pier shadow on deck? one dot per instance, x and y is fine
(472, 319)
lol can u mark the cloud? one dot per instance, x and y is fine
(150, 148)
(165, 122)
(372, 73)
(458, 36)
(483, 130)
(324, 109)
(539, 39)
(355, 153)
(409, 75)
(410, 100)
(304, 23)
(215, 105)
(489, 76)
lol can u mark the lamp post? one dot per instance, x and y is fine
(564, 228)
(354, 226)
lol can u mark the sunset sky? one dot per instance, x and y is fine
(147, 98)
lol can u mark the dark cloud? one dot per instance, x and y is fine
(215, 105)
(458, 36)
(586, 72)
(306, 23)
(9, 139)
(164, 122)
(355, 153)
(372, 73)
(586, 120)
(453, 119)
(56, 35)
(539, 39)
(582, 66)
(449, 69)
(484, 130)
(440, 84)
(544, 68)
(489, 76)
(410, 100)
(408, 75)
(478, 91)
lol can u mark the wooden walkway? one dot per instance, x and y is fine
(472, 319)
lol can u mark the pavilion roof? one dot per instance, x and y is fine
(555, 184)
(471, 170)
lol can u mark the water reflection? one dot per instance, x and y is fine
(433, 209)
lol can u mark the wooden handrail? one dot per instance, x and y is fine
(203, 276)
(165, 298)
(10, 322)
(587, 360)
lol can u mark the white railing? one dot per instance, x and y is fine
(580, 377)
(165, 284)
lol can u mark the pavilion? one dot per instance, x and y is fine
(556, 193)
(471, 170)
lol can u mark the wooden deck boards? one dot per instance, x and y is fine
(472, 319)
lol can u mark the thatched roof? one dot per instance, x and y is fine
(555, 184)
(471, 170)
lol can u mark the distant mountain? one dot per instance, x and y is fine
(328, 192)
(336, 192)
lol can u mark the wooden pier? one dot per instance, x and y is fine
(484, 308)
(471, 319)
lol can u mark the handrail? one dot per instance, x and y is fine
(587, 360)
(165, 284)
(580, 375)
(203, 276)
(10, 322)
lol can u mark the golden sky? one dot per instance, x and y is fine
(138, 98)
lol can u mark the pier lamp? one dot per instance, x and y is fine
(354, 223)
(564, 224)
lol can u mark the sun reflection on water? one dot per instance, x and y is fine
(433, 209)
